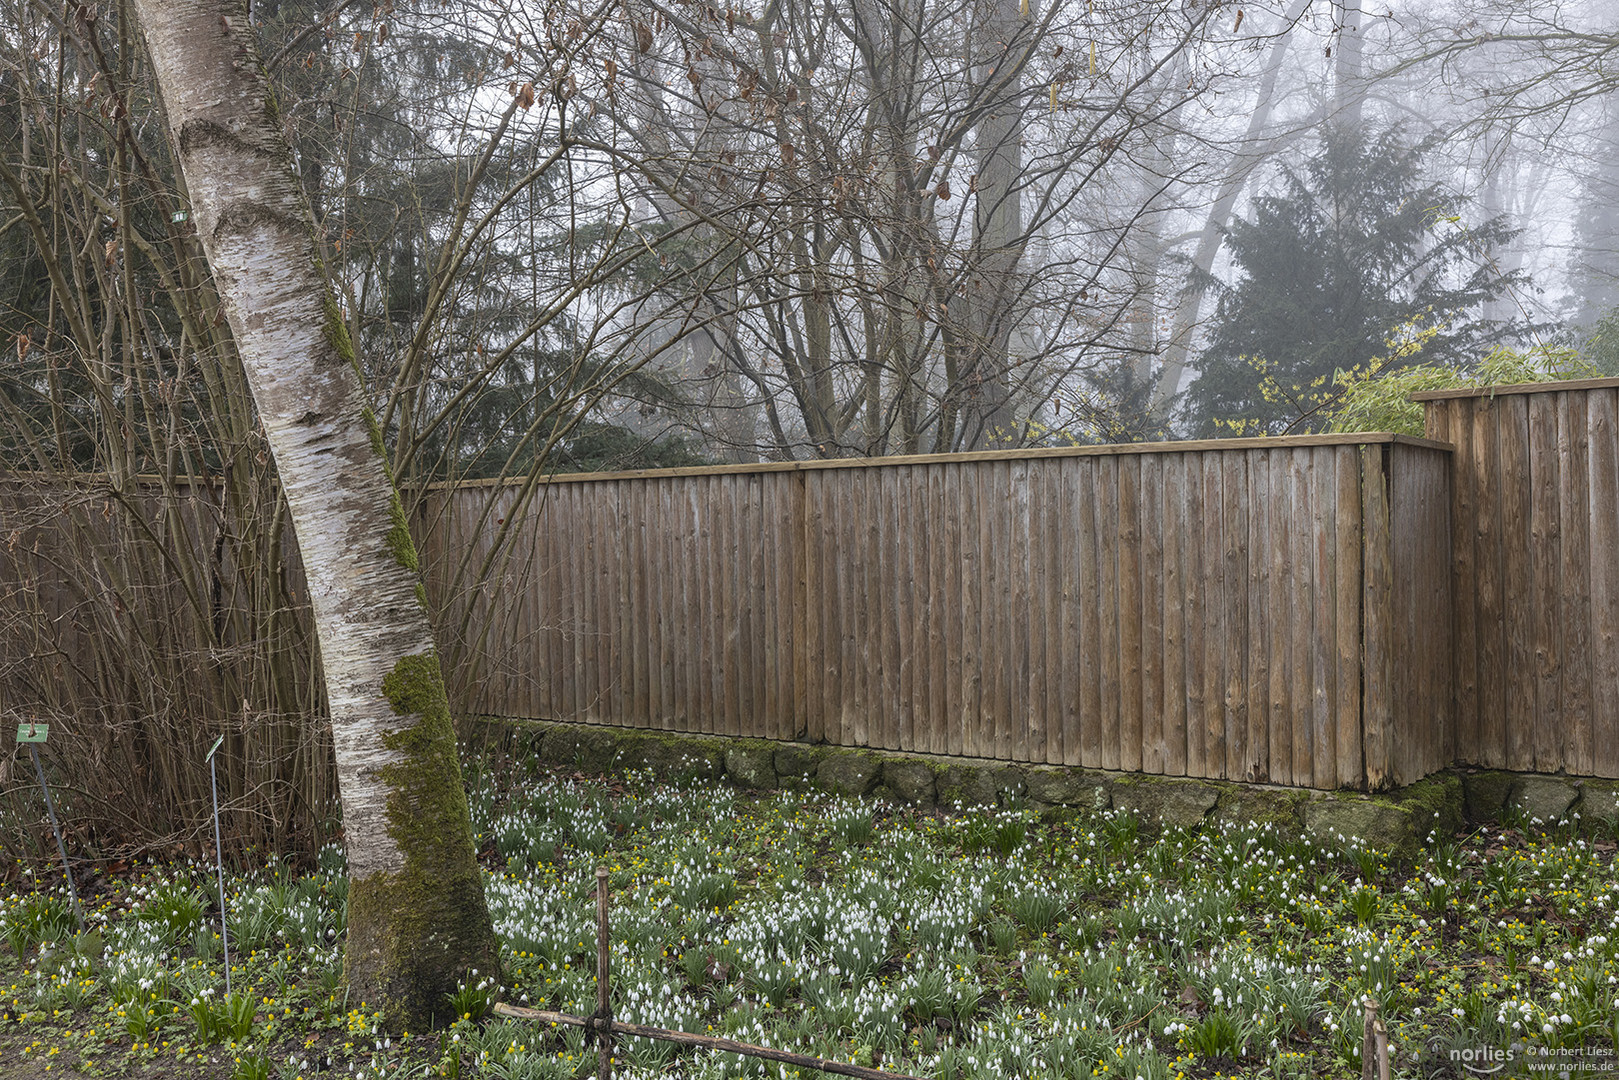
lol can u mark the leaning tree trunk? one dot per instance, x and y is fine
(417, 919)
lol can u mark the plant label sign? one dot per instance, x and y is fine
(32, 731)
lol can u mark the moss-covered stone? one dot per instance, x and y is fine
(1542, 798)
(672, 759)
(752, 765)
(1067, 787)
(1180, 803)
(1436, 804)
(848, 772)
(1377, 823)
(796, 765)
(1243, 803)
(413, 934)
(1486, 794)
(580, 747)
(1599, 802)
(909, 780)
(966, 784)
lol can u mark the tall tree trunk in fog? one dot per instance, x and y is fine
(1209, 241)
(417, 919)
(1349, 73)
(1000, 41)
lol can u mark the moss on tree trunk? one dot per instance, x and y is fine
(402, 951)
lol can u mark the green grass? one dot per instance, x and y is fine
(979, 945)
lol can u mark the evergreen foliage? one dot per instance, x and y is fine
(1358, 245)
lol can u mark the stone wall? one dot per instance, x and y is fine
(1397, 822)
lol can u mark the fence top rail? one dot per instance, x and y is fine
(1516, 388)
(1275, 442)
(99, 482)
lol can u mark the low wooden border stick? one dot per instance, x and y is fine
(702, 1042)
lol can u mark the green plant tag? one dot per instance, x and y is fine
(214, 748)
(32, 731)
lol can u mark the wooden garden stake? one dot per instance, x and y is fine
(1374, 1046)
(604, 1006)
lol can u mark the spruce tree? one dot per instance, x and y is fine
(1355, 246)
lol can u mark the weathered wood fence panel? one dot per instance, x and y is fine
(1253, 610)
(1535, 554)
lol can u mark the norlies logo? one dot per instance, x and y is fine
(1446, 1059)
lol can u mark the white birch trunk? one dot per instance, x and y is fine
(417, 916)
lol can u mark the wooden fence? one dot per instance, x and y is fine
(1269, 610)
(1536, 570)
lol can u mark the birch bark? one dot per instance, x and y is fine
(417, 919)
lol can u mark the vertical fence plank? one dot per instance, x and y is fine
(1488, 547)
(1602, 426)
(1234, 574)
(1301, 617)
(1257, 751)
(1046, 677)
(733, 602)
(1132, 640)
(1517, 600)
(939, 601)
(1195, 575)
(1280, 630)
(1458, 426)
(609, 572)
(560, 646)
(1213, 641)
(1545, 576)
(702, 563)
(1027, 625)
(1378, 704)
(999, 512)
(900, 488)
(1324, 616)
(581, 600)
(974, 595)
(681, 557)
(957, 575)
(1574, 583)
(1173, 598)
(1108, 623)
(1087, 604)
(818, 661)
(853, 564)
(1346, 634)
(770, 531)
(758, 540)
(1152, 612)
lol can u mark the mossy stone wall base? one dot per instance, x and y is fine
(848, 772)
(1493, 795)
(1397, 822)
(752, 764)
(1542, 798)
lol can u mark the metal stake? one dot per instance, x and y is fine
(219, 860)
(33, 738)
